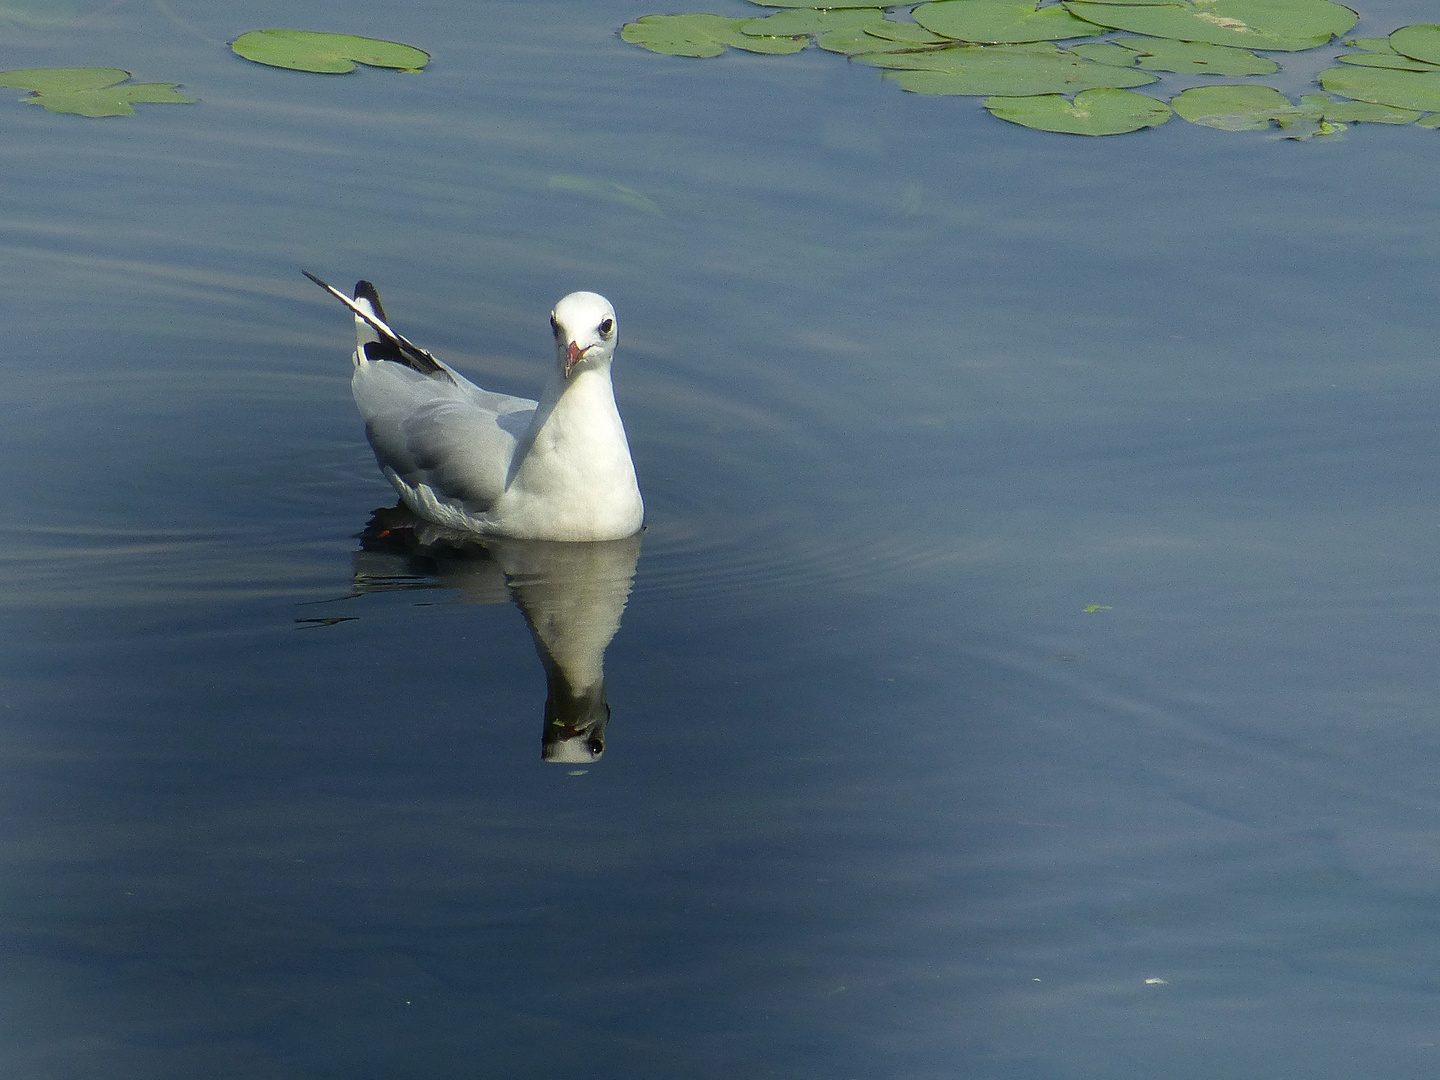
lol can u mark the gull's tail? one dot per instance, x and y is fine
(373, 334)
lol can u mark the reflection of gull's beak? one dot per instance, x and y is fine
(573, 355)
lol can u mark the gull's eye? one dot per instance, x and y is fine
(554, 326)
(606, 326)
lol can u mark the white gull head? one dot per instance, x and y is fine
(585, 332)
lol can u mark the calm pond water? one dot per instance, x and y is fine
(1031, 663)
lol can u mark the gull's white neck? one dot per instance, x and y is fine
(575, 461)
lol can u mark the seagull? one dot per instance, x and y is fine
(490, 464)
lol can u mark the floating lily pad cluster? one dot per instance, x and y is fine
(105, 92)
(1072, 66)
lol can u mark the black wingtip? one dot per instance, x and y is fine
(315, 279)
(366, 291)
(385, 350)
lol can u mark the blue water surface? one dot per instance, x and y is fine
(1031, 664)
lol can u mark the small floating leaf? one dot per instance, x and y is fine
(1418, 90)
(1418, 42)
(334, 54)
(1093, 112)
(1001, 22)
(1431, 121)
(90, 91)
(1002, 70)
(1282, 25)
(702, 35)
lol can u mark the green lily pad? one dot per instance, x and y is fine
(1418, 90)
(1001, 22)
(914, 33)
(1001, 70)
(335, 54)
(1105, 52)
(1430, 121)
(1357, 112)
(1250, 108)
(1280, 25)
(878, 35)
(1418, 42)
(1093, 112)
(702, 35)
(62, 80)
(1371, 44)
(1233, 108)
(811, 21)
(1393, 61)
(90, 91)
(1196, 57)
(827, 4)
(856, 41)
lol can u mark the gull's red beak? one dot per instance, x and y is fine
(573, 355)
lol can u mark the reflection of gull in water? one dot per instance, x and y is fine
(572, 596)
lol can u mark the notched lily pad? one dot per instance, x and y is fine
(330, 54)
(90, 91)
(1281, 25)
(1093, 112)
(702, 36)
(1419, 90)
(1001, 22)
